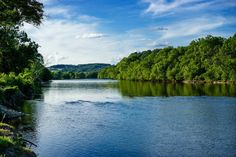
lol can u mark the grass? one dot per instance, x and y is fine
(6, 142)
(4, 125)
(11, 143)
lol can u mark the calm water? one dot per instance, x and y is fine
(121, 119)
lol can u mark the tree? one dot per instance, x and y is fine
(17, 51)
(15, 12)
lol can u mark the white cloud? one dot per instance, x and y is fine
(192, 27)
(69, 39)
(90, 36)
(158, 7)
(164, 7)
(69, 42)
(66, 38)
(53, 58)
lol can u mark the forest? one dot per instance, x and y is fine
(90, 67)
(203, 60)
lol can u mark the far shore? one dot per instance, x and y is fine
(167, 81)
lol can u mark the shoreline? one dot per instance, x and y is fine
(166, 81)
(207, 82)
(183, 81)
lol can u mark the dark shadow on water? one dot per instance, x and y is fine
(131, 89)
(78, 102)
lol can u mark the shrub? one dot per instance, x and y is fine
(23, 81)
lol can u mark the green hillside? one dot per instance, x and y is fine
(81, 71)
(94, 67)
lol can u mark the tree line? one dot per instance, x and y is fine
(205, 59)
(62, 75)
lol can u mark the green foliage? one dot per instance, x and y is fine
(206, 59)
(59, 75)
(21, 66)
(15, 12)
(26, 85)
(17, 51)
(45, 74)
(81, 71)
(11, 96)
(11, 143)
(91, 75)
(38, 72)
(6, 142)
(4, 132)
(22, 82)
(6, 126)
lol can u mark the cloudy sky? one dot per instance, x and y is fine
(104, 31)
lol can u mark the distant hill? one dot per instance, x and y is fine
(94, 67)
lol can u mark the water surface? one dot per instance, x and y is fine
(110, 118)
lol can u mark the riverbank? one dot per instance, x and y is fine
(11, 144)
(14, 90)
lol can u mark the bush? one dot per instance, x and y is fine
(23, 82)
(15, 88)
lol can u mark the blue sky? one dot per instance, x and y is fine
(104, 31)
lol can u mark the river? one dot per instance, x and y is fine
(108, 118)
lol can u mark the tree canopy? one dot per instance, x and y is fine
(17, 50)
(15, 12)
(206, 59)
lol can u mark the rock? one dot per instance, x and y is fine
(9, 113)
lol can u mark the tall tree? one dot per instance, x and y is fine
(17, 51)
